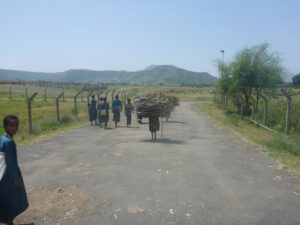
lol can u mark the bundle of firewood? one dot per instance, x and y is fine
(159, 104)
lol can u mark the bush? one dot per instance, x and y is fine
(65, 119)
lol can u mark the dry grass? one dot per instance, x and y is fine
(285, 149)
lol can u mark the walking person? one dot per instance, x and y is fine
(103, 112)
(116, 110)
(128, 112)
(153, 125)
(93, 110)
(13, 197)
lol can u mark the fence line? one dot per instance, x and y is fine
(290, 117)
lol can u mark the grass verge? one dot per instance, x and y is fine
(284, 149)
(44, 118)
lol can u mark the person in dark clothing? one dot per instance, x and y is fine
(153, 125)
(13, 197)
(116, 110)
(103, 112)
(93, 110)
(128, 112)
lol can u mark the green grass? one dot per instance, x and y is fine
(43, 115)
(276, 114)
(286, 149)
(183, 93)
(189, 93)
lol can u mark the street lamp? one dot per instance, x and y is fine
(224, 97)
(223, 52)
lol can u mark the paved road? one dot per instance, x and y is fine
(196, 174)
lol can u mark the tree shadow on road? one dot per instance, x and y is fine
(164, 141)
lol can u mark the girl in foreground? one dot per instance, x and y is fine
(13, 197)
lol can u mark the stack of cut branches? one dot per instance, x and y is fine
(160, 105)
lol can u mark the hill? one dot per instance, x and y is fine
(25, 75)
(154, 74)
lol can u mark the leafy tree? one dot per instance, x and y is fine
(224, 84)
(253, 70)
(296, 79)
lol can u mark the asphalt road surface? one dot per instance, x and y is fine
(197, 173)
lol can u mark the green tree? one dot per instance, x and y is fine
(224, 84)
(253, 70)
(296, 79)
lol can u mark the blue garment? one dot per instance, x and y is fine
(116, 108)
(116, 104)
(128, 110)
(93, 110)
(13, 199)
(103, 118)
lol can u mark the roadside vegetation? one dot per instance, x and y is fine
(183, 93)
(43, 112)
(252, 78)
(286, 149)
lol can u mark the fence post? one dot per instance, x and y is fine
(124, 97)
(119, 93)
(26, 93)
(242, 106)
(10, 90)
(214, 96)
(112, 95)
(57, 106)
(81, 96)
(266, 105)
(121, 96)
(88, 96)
(88, 103)
(242, 111)
(98, 95)
(253, 108)
(63, 91)
(225, 102)
(75, 104)
(125, 92)
(29, 100)
(288, 111)
(45, 95)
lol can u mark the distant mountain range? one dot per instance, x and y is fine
(153, 74)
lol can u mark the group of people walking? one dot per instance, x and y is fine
(99, 112)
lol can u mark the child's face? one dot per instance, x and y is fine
(12, 127)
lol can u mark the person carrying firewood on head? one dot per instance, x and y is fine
(153, 125)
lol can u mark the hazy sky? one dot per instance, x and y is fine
(56, 35)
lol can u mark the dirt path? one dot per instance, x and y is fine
(196, 174)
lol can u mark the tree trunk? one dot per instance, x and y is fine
(247, 110)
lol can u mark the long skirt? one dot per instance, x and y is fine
(116, 117)
(103, 118)
(13, 200)
(93, 115)
(128, 119)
